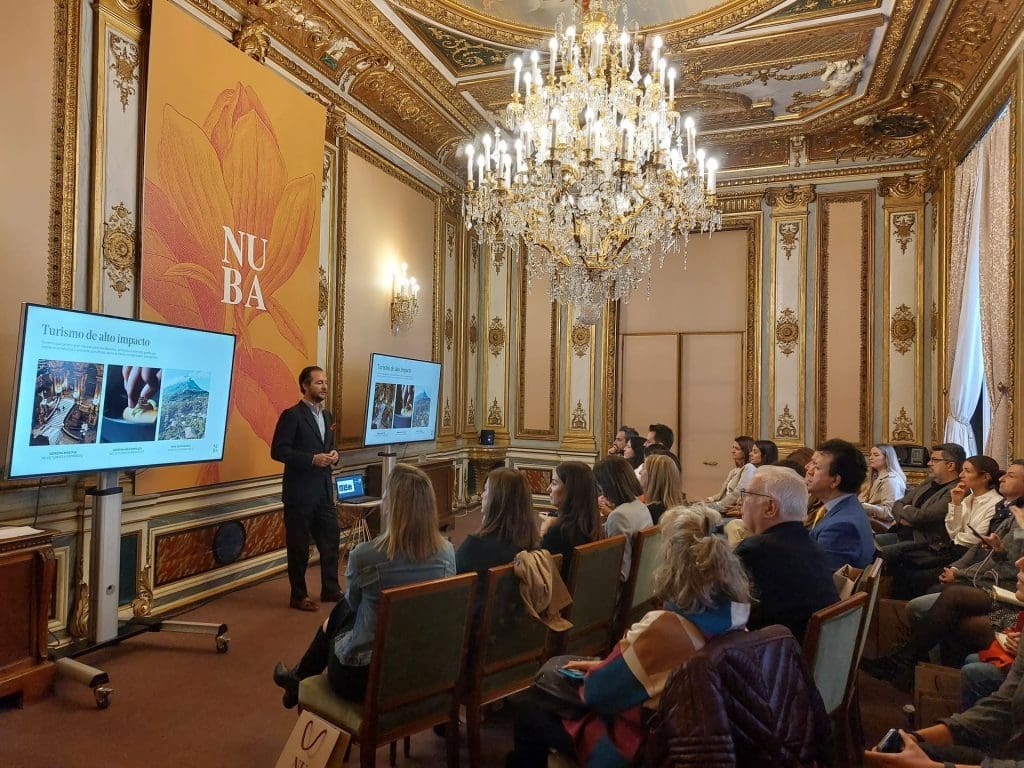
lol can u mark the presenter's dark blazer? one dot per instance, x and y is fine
(296, 439)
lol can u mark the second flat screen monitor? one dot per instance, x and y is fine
(401, 400)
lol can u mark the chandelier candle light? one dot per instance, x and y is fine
(598, 168)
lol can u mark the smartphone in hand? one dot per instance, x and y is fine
(974, 530)
(891, 743)
(572, 674)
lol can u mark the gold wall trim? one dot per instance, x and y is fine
(551, 433)
(824, 174)
(361, 150)
(340, 261)
(64, 148)
(867, 298)
(902, 196)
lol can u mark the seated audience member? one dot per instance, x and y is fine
(620, 489)
(801, 455)
(660, 434)
(661, 483)
(705, 594)
(573, 492)
(972, 502)
(619, 443)
(508, 527)
(409, 551)
(979, 679)
(990, 733)
(763, 453)
(796, 466)
(739, 475)
(789, 573)
(885, 484)
(634, 452)
(919, 517)
(834, 475)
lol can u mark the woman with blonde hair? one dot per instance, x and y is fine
(884, 485)
(705, 592)
(409, 551)
(662, 484)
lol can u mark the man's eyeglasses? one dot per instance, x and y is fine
(940, 460)
(745, 494)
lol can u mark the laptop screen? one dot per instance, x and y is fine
(349, 486)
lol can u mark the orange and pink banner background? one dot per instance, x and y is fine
(231, 207)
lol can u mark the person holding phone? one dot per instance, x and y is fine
(705, 593)
(991, 733)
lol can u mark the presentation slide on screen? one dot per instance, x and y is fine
(97, 392)
(402, 400)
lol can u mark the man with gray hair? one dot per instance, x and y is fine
(788, 571)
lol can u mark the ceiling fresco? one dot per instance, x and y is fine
(771, 83)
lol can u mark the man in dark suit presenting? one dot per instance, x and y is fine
(304, 442)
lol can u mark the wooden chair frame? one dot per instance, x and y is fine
(369, 737)
(607, 624)
(628, 592)
(841, 714)
(473, 696)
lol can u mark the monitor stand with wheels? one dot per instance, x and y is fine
(104, 627)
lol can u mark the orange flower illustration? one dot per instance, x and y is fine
(229, 176)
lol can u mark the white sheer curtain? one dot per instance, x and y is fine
(994, 284)
(968, 364)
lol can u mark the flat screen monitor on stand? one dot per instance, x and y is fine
(100, 394)
(401, 406)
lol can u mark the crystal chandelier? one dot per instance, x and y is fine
(598, 168)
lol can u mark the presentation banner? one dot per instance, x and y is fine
(231, 205)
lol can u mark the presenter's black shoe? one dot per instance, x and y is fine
(330, 597)
(303, 604)
(287, 679)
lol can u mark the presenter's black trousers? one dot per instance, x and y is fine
(319, 524)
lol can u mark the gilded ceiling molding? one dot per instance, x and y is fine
(749, 203)
(905, 188)
(811, 9)
(790, 199)
(252, 39)
(463, 55)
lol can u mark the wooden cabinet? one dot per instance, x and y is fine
(27, 570)
(442, 478)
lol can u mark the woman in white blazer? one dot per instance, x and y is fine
(885, 484)
(738, 477)
(973, 501)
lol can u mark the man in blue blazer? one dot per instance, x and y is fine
(304, 442)
(834, 475)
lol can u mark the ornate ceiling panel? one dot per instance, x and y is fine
(771, 82)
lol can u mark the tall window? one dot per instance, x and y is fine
(978, 352)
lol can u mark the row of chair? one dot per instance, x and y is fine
(418, 677)
(423, 668)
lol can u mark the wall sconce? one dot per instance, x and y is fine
(404, 300)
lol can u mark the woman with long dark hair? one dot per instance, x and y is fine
(409, 551)
(573, 492)
(509, 525)
(739, 475)
(621, 490)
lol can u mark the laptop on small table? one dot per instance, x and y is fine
(350, 489)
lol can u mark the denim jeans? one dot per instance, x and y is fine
(978, 679)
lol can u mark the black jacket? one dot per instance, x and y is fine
(296, 440)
